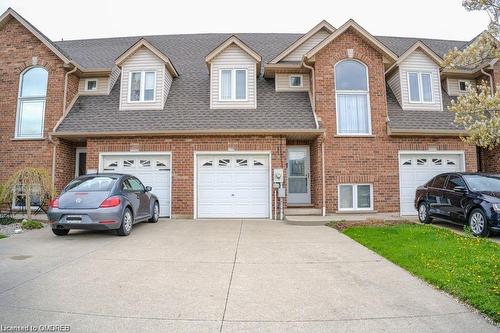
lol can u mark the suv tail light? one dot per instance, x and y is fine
(54, 203)
(110, 202)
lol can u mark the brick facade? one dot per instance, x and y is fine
(490, 160)
(21, 50)
(182, 149)
(372, 159)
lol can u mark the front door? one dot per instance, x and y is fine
(299, 187)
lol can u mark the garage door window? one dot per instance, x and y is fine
(355, 197)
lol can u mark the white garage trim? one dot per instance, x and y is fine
(401, 153)
(128, 153)
(254, 152)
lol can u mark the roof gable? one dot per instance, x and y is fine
(323, 25)
(11, 13)
(362, 32)
(144, 43)
(228, 42)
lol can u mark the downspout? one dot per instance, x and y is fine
(51, 140)
(313, 105)
(490, 79)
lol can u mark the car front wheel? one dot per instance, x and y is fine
(155, 214)
(478, 223)
(423, 213)
(127, 222)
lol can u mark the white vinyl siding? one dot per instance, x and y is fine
(282, 82)
(143, 60)
(419, 62)
(395, 85)
(115, 73)
(452, 86)
(231, 58)
(298, 53)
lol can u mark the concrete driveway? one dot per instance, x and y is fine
(212, 276)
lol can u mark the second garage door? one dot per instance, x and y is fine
(417, 169)
(233, 186)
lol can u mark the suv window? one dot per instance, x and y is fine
(439, 181)
(455, 181)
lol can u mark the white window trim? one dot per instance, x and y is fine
(353, 92)
(420, 88)
(355, 197)
(233, 84)
(296, 75)
(143, 82)
(467, 82)
(18, 112)
(96, 85)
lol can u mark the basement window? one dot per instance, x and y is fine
(355, 197)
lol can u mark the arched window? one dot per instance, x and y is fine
(31, 105)
(353, 99)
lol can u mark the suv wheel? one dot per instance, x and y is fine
(423, 213)
(478, 223)
(127, 222)
(155, 213)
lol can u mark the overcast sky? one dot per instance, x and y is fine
(76, 19)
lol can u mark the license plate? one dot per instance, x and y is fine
(74, 218)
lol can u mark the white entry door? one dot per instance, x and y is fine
(151, 169)
(299, 185)
(417, 169)
(232, 186)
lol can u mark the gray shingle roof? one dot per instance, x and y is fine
(411, 120)
(188, 103)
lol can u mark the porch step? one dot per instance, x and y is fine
(303, 211)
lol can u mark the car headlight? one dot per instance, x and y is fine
(496, 207)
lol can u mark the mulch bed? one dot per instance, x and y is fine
(342, 225)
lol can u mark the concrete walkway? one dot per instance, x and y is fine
(213, 276)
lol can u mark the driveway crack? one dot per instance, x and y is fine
(231, 277)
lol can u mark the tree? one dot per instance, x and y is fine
(478, 111)
(33, 181)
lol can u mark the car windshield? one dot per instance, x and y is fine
(91, 184)
(482, 183)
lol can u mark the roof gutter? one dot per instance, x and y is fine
(216, 132)
(415, 132)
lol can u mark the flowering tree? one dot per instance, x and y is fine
(478, 111)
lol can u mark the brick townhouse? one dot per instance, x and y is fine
(355, 121)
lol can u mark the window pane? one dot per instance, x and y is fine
(241, 84)
(350, 75)
(462, 86)
(297, 185)
(91, 85)
(345, 196)
(426, 88)
(297, 163)
(225, 84)
(34, 83)
(353, 113)
(295, 81)
(31, 118)
(414, 90)
(455, 181)
(363, 196)
(135, 87)
(149, 86)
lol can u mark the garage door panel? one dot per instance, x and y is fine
(417, 169)
(232, 186)
(151, 170)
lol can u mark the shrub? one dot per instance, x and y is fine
(30, 224)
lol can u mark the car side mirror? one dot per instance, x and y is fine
(460, 189)
(149, 188)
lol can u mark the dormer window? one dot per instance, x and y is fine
(462, 85)
(420, 87)
(91, 85)
(233, 84)
(142, 87)
(295, 81)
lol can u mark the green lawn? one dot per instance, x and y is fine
(464, 266)
(2, 236)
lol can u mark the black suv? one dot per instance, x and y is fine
(465, 198)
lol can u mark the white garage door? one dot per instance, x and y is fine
(152, 170)
(417, 169)
(233, 186)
